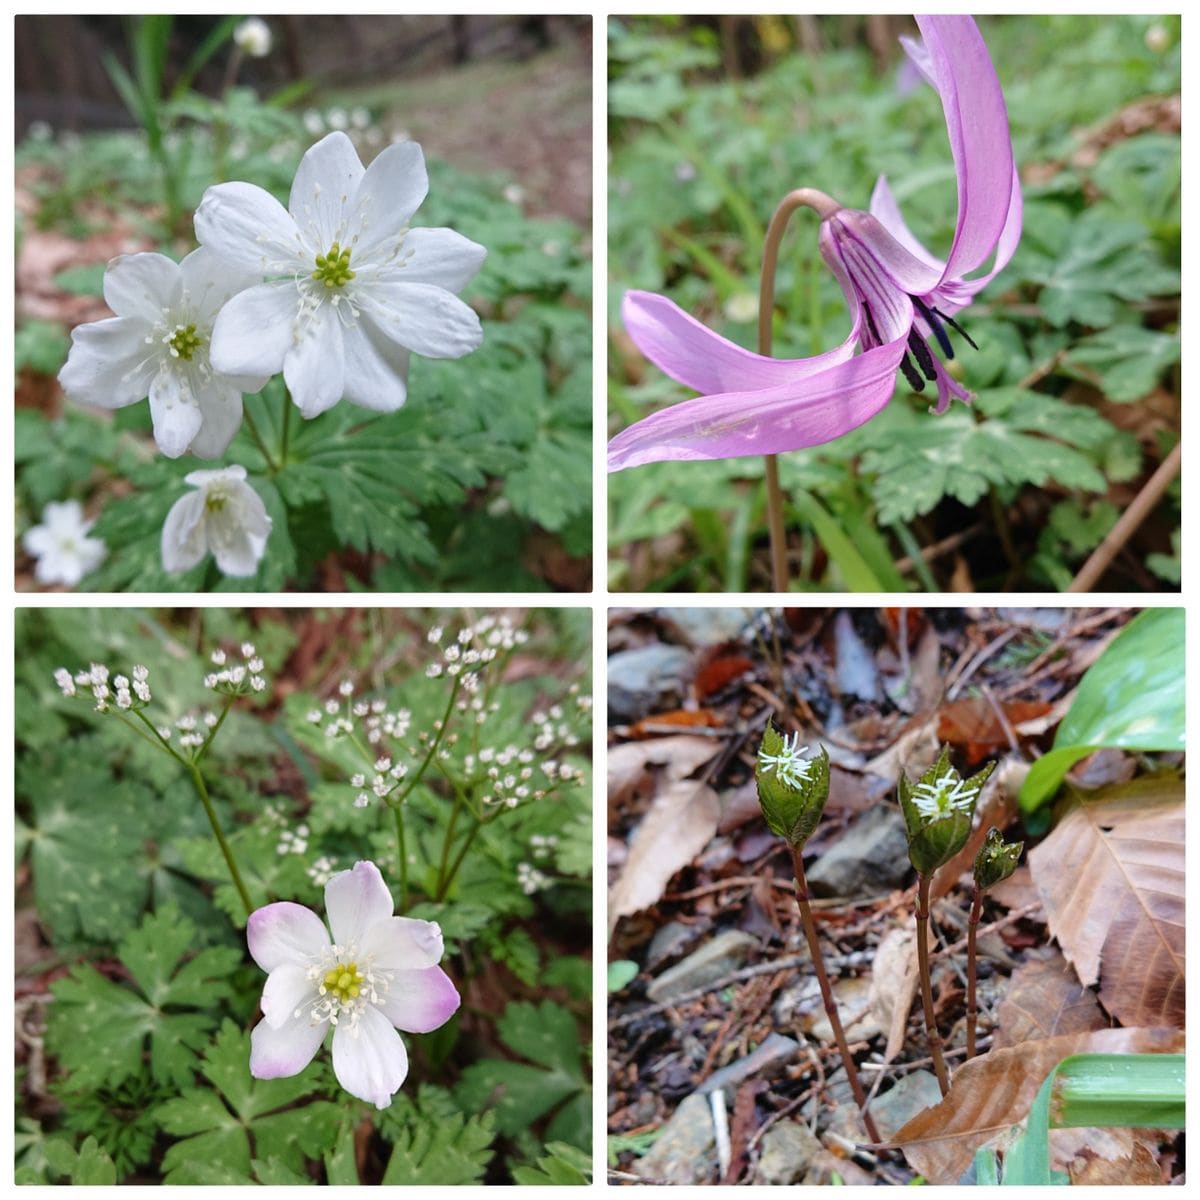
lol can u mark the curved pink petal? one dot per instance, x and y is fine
(278, 1053)
(420, 1001)
(693, 354)
(806, 411)
(283, 932)
(977, 122)
(288, 988)
(369, 1059)
(403, 944)
(886, 211)
(356, 900)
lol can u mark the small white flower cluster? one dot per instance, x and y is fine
(293, 842)
(944, 796)
(322, 870)
(385, 779)
(554, 727)
(192, 729)
(377, 720)
(124, 694)
(240, 678)
(474, 646)
(789, 767)
(530, 879)
(541, 845)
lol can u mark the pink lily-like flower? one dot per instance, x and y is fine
(901, 297)
(377, 975)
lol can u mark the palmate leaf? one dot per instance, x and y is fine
(100, 1030)
(1023, 438)
(217, 1125)
(433, 1143)
(1125, 361)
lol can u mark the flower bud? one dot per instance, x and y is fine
(938, 809)
(792, 789)
(996, 860)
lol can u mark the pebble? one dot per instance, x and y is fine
(870, 857)
(897, 1106)
(725, 953)
(685, 1151)
(639, 679)
(773, 1053)
(787, 1149)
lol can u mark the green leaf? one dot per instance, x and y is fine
(433, 1143)
(1131, 697)
(1124, 361)
(562, 1166)
(621, 973)
(90, 1167)
(856, 575)
(99, 1030)
(790, 812)
(216, 1126)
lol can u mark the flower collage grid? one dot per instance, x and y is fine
(318, 564)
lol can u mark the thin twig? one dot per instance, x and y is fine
(1091, 571)
(835, 1021)
(931, 1029)
(1009, 918)
(972, 927)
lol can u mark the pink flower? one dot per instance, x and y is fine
(377, 975)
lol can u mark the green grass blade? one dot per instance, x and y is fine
(857, 575)
(1134, 1091)
(217, 37)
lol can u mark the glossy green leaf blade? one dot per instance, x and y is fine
(1135, 1091)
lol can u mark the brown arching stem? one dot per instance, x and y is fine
(824, 206)
(931, 1029)
(818, 961)
(972, 926)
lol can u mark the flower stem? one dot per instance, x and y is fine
(835, 1022)
(402, 858)
(258, 441)
(824, 206)
(285, 428)
(972, 926)
(931, 1029)
(235, 874)
(444, 884)
(448, 839)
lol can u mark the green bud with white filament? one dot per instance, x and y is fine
(996, 860)
(938, 808)
(792, 785)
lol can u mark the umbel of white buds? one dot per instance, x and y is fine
(792, 787)
(938, 809)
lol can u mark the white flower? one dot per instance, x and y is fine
(944, 796)
(64, 552)
(225, 515)
(158, 345)
(348, 288)
(789, 767)
(378, 974)
(253, 36)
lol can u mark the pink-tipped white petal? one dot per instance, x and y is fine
(288, 988)
(323, 191)
(774, 420)
(370, 1061)
(698, 358)
(403, 943)
(355, 901)
(276, 1053)
(284, 933)
(142, 285)
(420, 1001)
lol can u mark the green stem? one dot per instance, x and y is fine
(285, 429)
(402, 856)
(215, 730)
(444, 884)
(258, 441)
(235, 874)
(972, 926)
(931, 1029)
(449, 838)
(433, 745)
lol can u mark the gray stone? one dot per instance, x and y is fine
(708, 626)
(685, 1151)
(637, 679)
(787, 1149)
(725, 953)
(897, 1106)
(771, 1055)
(670, 940)
(871, 856)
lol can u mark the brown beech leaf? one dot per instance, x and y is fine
(679, 824)
(1111, 878)
(894, 986)
(629, 764)
(991, 1094)
(1104, 1156)
(975, 725)
(1046, 999)
(720, 670)
(680, 718)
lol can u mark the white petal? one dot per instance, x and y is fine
(221, 406)
(278, 1053)
(355, 900)
(420, 1001)
(313, 367)
(439, 256)
(65, 517)
(376, 369)
(39, 541)
(249, 229)
(428, 320)
(222, 474)
(403, 943)
(370, 1062)
(92, 552)
(284, 933)
(253, 331)
(110, 364)
(287, 989)
(392, 190)
(142, 285)
(176, 415)
(184, 542)
(237, 535)
(208, 283)
(324, 189)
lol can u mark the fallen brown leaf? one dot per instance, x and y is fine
(1094, 1162)
(628, 765)
(894, 986)
(991, 1094)
(680, 718)
(1046, 999)
(1111, 875)
(975, 725)
(679, 824)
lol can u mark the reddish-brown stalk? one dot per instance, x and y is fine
(972, 926)
(931, 1029)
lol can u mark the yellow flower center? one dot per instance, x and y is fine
(333, 267)
(344, 980)
(184, 342)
